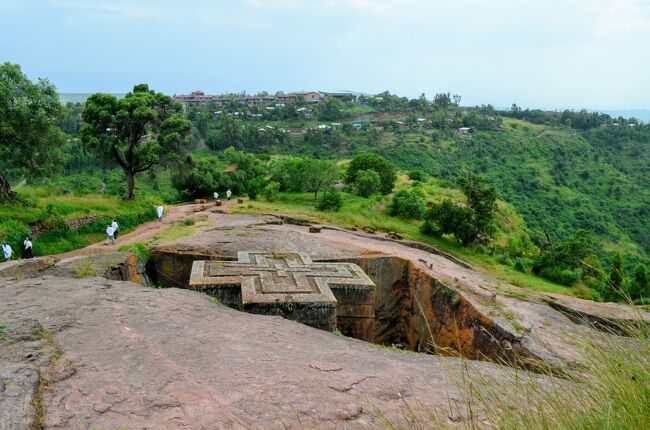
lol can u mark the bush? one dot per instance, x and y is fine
(367, 183)
(330, 200)
(407, 204)
(575, 255)
(417, 175)
(255, 186)
(270, 191)
(449, 218)
(200, 178)
(565, 277)
(139, 249)
(520, 265)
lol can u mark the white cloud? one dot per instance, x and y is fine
(624, 16)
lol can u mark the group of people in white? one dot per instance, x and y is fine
(112, 230)
(7, 252)
(111, 236)
(228, 195)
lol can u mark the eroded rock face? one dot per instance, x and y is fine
(121, 266)
(114, 354)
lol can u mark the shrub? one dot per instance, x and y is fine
(520, 265)
(270, 191)
(255, 186)
(417, 175)
(407, 204)
(367, 183)
(200, 178)
(449, 218)
(330, 200)
(565, 277)
(139, 249)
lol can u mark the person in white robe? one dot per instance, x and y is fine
(7, 251)
(110, 232)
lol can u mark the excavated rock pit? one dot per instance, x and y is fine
(413, 310)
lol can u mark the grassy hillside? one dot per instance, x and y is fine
(360, 212)
(48, 211)
(558, 179)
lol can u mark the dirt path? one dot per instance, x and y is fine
(147, 231)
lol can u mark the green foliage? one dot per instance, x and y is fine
(200, 177)
(30, 142)
(417, 175)
(640, 286)
(617, 286)
(450, 218)
(255, 186)
(330, 110)
(139, 249)
(407, 204)
(271, 190)
(245, 171)
(377, 163)
(564, 263)
(136, 132)
(330, 200)
(304, 174)
(481, 199)
(367, 183)
(520, 265)
(471, 223)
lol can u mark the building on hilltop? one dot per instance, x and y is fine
(309, 96)
(194, 98)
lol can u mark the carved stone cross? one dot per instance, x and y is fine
(290, 285)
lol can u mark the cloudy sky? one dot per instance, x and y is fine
(537, 53)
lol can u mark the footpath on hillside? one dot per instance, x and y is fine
(146, 231)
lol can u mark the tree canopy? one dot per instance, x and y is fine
(379, 164)
(137, 132)
(29, 138)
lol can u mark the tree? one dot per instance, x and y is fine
(379, 164)
(407, 204)
(450, 218)
(368, 183)
(330, 200)
(137, 132)
(481, 198)
(270, 191)
(570, 260)
(29, 138)
(330, 110)
(199, 178)
(319, 174)
(617, 275)
(641, 282)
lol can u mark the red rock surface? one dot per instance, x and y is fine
(115, 354)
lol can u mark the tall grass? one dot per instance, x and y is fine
(608, 390)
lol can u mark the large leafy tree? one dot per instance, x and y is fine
(139, 131)
(29, 139)
(379, 164)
